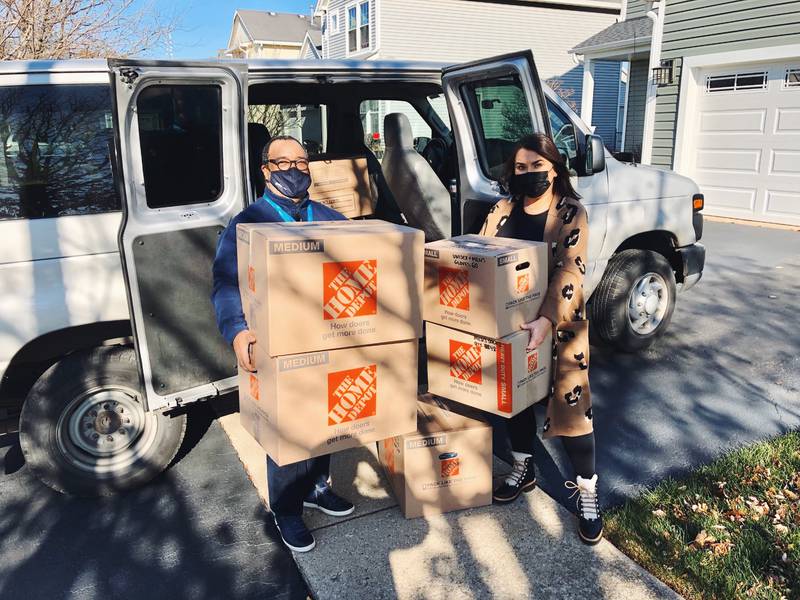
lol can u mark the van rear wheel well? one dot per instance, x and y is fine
(39, 354)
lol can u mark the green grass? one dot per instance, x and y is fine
(729, 530)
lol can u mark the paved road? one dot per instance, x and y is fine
(198, 532)
(727, 372)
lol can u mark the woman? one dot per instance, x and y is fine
(543, 206)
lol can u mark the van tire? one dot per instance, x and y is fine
(634, 301)
(83, 429)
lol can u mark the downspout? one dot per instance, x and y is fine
(656, 15)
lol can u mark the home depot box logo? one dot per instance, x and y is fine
(253, 387)
(533, 361)
(352, 394)
(523, 283)
(449, 464)
(465, 361)
(454, 288)
(350, 289)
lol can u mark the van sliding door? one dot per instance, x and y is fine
(181, 149)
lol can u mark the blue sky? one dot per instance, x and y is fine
(204, 25)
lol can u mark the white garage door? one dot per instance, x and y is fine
(747, 144)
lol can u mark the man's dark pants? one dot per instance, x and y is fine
(291, 484)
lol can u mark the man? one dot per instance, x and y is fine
(285, 168)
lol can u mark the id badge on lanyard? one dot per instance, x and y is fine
(286, 216)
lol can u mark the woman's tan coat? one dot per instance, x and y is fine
(569, 409)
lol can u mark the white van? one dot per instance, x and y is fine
(119, 176)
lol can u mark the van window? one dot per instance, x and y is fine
(306, 122)
(563, 133)
(180, 133)
(500, 107)
(372, 115)
(57, 146)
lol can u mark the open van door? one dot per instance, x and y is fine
(181, 143)
(492, 102)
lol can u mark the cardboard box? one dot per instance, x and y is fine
(486, 285)
(307, 405)
(444, 465)
(498, 376)
(327, 285)
(342, 184)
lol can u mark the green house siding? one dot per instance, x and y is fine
(637, 95)
(637, 8)
(694, 27)
(702, 26)
(666, 116)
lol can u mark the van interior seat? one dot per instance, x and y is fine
(419, 192)
(257, 137)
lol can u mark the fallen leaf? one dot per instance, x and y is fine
(659, 513)
(781, 528)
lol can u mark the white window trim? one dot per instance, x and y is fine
(692, 86)
(359, 51)
(331, 16)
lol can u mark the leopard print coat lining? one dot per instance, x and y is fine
(569, 407)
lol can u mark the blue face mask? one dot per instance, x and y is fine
(293, 182)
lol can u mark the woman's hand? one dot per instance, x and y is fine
(538, 331)
(242, 347)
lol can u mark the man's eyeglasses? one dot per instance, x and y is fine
(284, 164)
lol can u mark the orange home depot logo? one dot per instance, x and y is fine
(465, 361)
(253, 387)
(251, 279)
(350, 289)
(523, 283)
(352, 394)
(533, 361)
(454, 288)
(450, 464)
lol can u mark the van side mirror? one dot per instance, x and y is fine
(595, 160)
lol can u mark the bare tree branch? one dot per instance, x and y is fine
(31, 29)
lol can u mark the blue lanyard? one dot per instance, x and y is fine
(286, 216)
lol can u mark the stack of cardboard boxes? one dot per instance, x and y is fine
(336, 310)
(478, 292)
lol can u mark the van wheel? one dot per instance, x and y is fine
(84, 431)
(634, 301)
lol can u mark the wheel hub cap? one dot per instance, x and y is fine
(104, 423)
(648, 303)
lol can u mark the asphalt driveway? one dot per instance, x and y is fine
(198, 532)
(727, 373)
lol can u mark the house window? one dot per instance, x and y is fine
(358, 34)
(334, 21)
(792, 78)
(737, 82)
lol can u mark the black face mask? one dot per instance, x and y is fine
(532, 184)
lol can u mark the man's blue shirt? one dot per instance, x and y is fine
(225, 293)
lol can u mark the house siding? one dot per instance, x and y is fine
(637, 8)
(667, 99)
(604, 112)
(335, 44)
(457, 31)
(693, 27)
(637, 96)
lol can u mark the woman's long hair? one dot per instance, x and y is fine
(544, 146)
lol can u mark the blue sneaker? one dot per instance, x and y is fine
(294, 533)
(326, 501)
